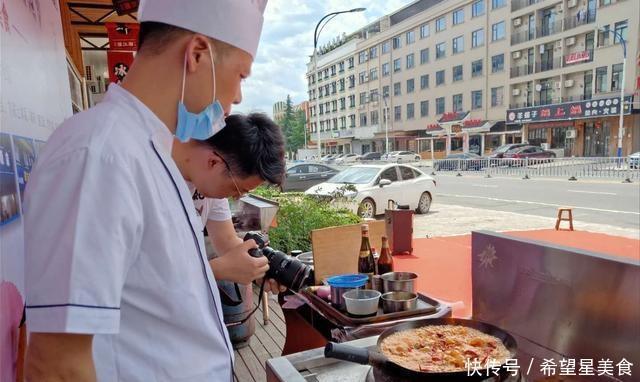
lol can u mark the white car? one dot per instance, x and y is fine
(347, 158)
(372, 186)
(402, 156)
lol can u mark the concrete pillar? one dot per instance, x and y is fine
(482, 138)
(448, 145)
(432, 153)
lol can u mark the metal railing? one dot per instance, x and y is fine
(519, 4)
(625, 168)
(548, 30)
(545, 65)
(521, 70)
(578, 19)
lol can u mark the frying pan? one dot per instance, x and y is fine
(377, 359)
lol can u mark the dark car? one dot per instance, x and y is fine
(460, 162)
(370, 156)
(300, 177)
(535, 153)
(500, 151)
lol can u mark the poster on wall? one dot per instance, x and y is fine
(35, 99)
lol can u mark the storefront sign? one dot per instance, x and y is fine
(568, 111)
(473, 123)
(575, 57)
(453, 116)
(433, 126)
(123, 37)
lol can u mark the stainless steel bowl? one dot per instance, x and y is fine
(399, 301)
(362, 302)
(399, 281)
(337, 294)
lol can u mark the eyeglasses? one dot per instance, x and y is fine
(233, 179)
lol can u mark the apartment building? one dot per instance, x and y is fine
(437, 69)
(565, 74)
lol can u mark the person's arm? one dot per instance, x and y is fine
(60, 357)
(222, 235)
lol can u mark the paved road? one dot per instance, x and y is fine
(610, 203)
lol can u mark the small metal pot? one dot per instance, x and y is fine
(399, 281)
(344, 283)
(399, 301)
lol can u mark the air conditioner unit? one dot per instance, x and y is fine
(517, 22)
(558, 85)
(568, 83)
(515, 92)
(572, 3)
(516, 55)
(560, 8)
(571, 133)
(558, 44)
(571, 41)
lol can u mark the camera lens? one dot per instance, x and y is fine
(287, 270)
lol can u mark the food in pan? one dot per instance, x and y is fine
(443, 348)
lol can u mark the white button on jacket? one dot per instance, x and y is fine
(114, 248)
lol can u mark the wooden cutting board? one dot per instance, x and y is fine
(336, 249)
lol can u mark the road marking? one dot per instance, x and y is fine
(540, 204)
(593, 192)
(485, 185)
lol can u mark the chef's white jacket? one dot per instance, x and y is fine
(115, 248)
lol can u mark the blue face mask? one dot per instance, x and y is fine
(205, 124)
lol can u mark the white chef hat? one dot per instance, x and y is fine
(236, 22)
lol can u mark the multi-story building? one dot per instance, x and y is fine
(566, 70)
(278, 110)
(437, 69)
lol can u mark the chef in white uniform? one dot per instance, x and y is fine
(117, 282)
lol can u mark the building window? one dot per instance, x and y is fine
(498, 31)
(440, 105)
(397, 65)
(440, 77)
(424, 108)
(410, 111)
(603, 36)
(343, 104)
(457, 73)
(495, 4)
(334, 106)
(343, 122)
(497, 63)
(373, 52)
(457, 102)
(352, 100)
(397, 89)
(352, 120)
(477, 8)
(373, 95)
(374, 117)
(458, 44)
(410, 85)
(621, 28)
(601, 79)
(363, 98)
(321, 109)
(351, 62)
(441, 24)
(441, 50)
(424, 30)
(397, 113)
(341, 67)
(352, 81)
(497, 96)
(476, 99)
(424, 56)
(362, 57)
(410, 61)
(341, 85)
(333, 70)
(373, 74)
(458, 16)
(424, 81)
(385, 69)
(476, 68)
(397, 43)
(363, 119)
(386, 47)
(616, 77)
(477, 38)
(410, 37)
(537, 137)
(385, 91)
(362, 77)
(334, 87)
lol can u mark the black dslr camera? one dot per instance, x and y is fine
(287, 270)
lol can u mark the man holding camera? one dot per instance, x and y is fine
(249, 151)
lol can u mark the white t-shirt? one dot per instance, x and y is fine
(115, 249)
(209, 208)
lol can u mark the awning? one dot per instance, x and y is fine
(453, 117)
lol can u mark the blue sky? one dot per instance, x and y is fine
(287, 42)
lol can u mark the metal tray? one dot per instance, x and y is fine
(426, 306)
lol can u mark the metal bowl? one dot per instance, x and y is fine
(399, 281)
(399, 301)
(362, 302)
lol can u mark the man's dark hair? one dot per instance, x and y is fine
(154, 37)
(252, 144)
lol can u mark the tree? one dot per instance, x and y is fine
(293, 125)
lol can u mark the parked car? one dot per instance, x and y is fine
(530, 152)
(327, 158)
(303, 176)
(347, 158)
(634, 160)
(461, 162)
(375, 185)
(500, 151)
(402, 156)
(370, 156)
(335, 158)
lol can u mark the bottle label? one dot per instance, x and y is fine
(364, 253)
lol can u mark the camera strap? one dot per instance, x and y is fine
(228, 300)
(260, 294)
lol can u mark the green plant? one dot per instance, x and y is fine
(298, 215)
